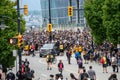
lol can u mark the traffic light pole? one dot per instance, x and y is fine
(50, 33)
(70, 18)
(78, 16)
(19, 50)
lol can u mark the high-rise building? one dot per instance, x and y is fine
(59, 11)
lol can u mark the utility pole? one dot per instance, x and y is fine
(19, 50)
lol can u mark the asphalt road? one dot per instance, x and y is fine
(39, 65)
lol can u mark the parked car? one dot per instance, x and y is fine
(48, 48)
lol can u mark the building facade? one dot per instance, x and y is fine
(59, 12)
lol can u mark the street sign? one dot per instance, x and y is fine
(14, 53)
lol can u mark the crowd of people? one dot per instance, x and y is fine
(81, 44)
(25, 74)
(78, 43)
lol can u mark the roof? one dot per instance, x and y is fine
(48, 46)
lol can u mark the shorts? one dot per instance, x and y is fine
(80, 66)
(49, 61)
(61, 50)
(84, 56)
(104, 65)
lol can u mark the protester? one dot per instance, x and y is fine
(10, 76)
(80, 65)
(104, 63)
(84, 75)
(26, 64)
(91, 73)
(60, 66)
(32, 49)
(114, 63)
(29, 75)
(49, 59)
(51, 77)
(85, 56)
(68, 54)
(72, 77)
(113, 77)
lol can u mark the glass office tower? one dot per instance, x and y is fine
(59, 12)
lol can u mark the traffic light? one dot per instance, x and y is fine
(25, 9)
(20, 41)
(13, 40)
(70, 11)
(49, 27)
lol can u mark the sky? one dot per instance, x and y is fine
(32, 4)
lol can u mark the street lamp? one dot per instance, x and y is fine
(3, 26)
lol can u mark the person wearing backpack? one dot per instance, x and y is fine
(10, 76)
(84, 75)
(104, 63)
(29, 75)
(114, 63)
(26, 64)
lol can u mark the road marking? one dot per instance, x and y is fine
(44, 75)
(57, 67)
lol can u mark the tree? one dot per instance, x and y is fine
(93, 14)
(111, 20)
(8, 13)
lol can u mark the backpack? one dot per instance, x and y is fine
(84, 75)
(29, 75)
(102, 60)
(11, 76)
(114, 61)
(26, 63)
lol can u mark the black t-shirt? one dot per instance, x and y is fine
(10, 76)
(26, 63)
(84, 75)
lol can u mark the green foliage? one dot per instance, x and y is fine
(7, 9)
(103, 17)
(93, 13)
(111, 20)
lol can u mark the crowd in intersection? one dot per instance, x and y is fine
(78, 43)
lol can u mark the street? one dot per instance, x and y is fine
(40, 67)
